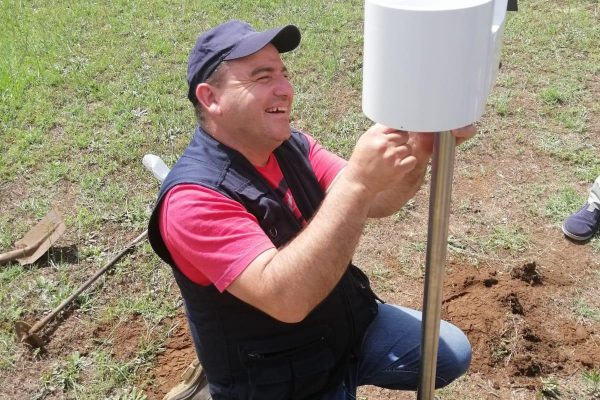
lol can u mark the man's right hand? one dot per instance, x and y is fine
(381, 157)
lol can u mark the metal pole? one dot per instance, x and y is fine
(437, 241)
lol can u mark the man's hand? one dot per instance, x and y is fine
(381, 156)
(464, 133)
(396, 194)
(422, 143)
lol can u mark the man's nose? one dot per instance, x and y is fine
(283, 87)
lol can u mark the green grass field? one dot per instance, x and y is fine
(88, 88)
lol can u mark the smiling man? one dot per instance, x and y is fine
(260, 223)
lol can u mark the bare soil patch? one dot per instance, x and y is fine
(515, 314)
(170, 365)
(517, 324)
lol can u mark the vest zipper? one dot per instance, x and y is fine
(254, 355)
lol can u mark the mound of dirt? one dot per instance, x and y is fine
(517, 324)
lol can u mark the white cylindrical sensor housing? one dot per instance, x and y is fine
(429, 65)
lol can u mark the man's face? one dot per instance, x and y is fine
(255, 98)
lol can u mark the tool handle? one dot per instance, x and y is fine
(160, 170)
(41, 323)
(14, 254)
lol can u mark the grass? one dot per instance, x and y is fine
(507, 238)
(584, 310)
(550, 389)
(106, 374)
(99, 373)
(561, 205)
(88, 88)
(592, 381)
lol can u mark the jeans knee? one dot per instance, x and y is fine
(454, 358)
(463, 361)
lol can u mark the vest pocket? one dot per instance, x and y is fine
(292, 370)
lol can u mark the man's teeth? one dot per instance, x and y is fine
(276, 110)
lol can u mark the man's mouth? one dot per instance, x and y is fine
(276, 110)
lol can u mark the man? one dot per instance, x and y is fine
(583, 224)
(260, 223)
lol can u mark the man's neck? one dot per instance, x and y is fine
(256, 155)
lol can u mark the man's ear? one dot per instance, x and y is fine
(207, 96)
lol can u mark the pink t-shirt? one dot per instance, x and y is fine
(212, 238)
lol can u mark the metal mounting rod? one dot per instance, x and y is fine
(437, 242)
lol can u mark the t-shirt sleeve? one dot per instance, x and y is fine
(210, 237)
(325, 164)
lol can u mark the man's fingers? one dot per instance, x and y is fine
(398, 137)
(406, 164)
(401, 151)
(386, 129)
(401, 158)
(465, 132)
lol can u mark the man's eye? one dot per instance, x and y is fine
(263, 78)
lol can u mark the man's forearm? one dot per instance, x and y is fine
(307, 270)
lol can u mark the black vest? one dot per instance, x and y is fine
(246, 353)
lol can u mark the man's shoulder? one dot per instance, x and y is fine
(301, 140)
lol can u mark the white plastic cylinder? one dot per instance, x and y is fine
(156, 165)
(429, 65)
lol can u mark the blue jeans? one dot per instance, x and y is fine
(391, 350)
(594, 197)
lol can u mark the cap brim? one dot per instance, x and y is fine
(284, 39)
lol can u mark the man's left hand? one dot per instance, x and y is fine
(464, 133)
(422, 143)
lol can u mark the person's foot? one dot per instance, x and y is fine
(583, 224)
(193, 385)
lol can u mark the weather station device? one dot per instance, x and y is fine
(429, 66)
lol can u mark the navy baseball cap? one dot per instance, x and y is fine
(229, 41)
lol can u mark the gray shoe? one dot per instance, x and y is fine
(583, 224)
(193, 385)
